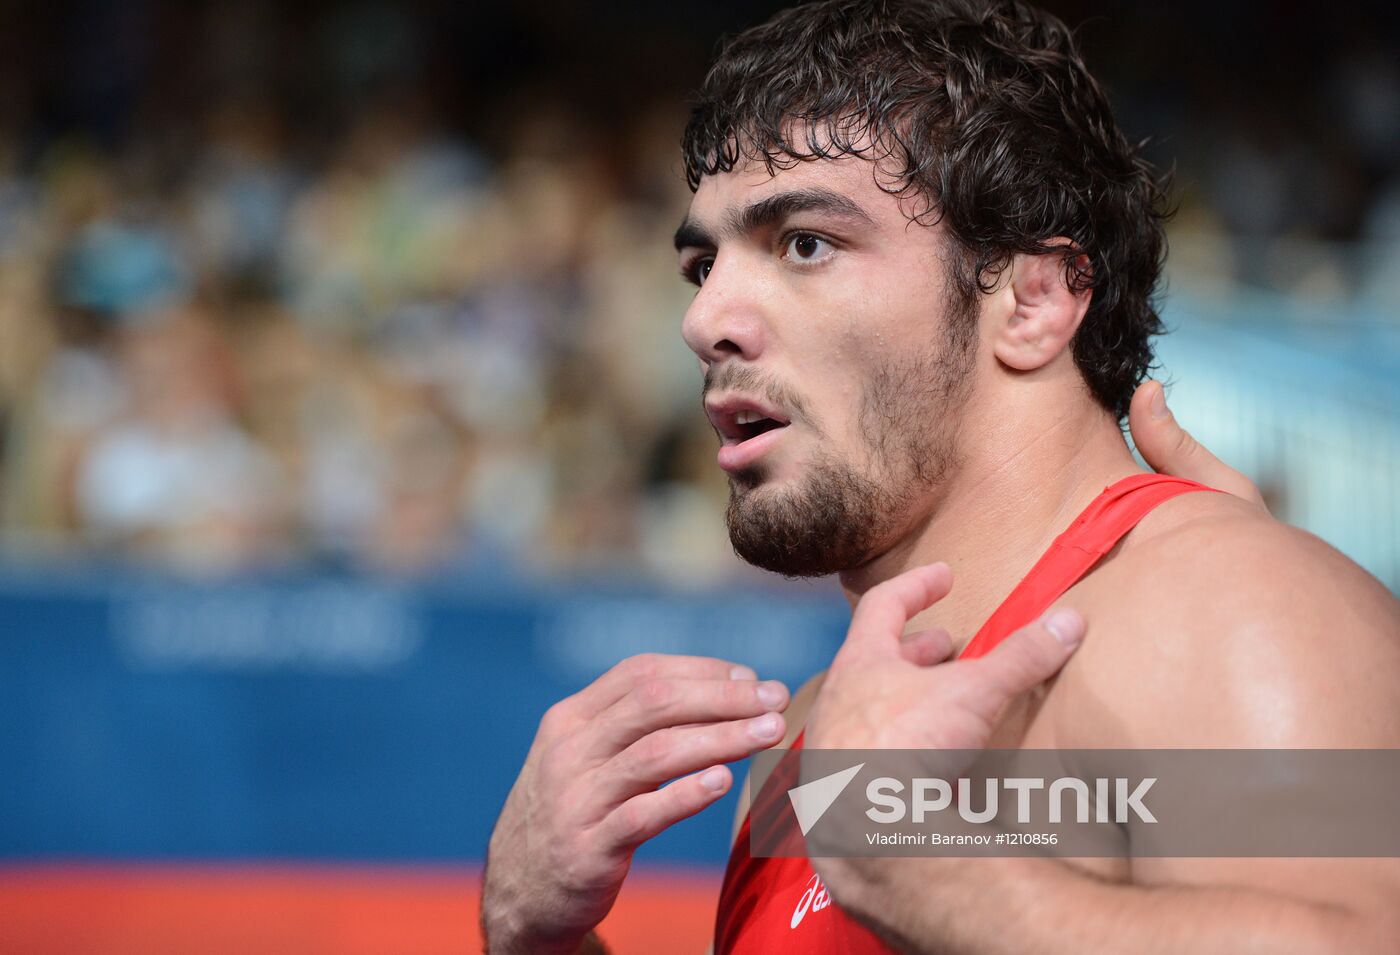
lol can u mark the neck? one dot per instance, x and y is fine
(1032, 472)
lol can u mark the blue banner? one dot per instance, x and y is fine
(328, 717)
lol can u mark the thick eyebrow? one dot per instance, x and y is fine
(769, 211)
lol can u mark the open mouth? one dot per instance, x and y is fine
(747, 429)
(737, 420)
(750, 424)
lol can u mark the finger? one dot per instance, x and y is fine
(884, 611)
(618, 681)
(926, 647)
(644, 816)
(1027, 658)
(669, 753)
(661, 703)
(1170, 449)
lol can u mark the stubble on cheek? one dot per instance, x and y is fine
(909, 415)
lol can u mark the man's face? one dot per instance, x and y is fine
(836, 358)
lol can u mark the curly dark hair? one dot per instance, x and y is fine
(983, 112)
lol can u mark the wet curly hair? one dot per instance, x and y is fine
(984, 114)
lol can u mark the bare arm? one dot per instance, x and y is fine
(1001, 907)
(1267, 606)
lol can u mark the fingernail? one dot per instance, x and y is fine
(742, 673)
(1159, 402)
(772, 694)
(715, 780)
(1066, 625)
(765, 727)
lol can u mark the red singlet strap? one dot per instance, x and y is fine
(1082, 545)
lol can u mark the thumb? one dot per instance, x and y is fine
(1170, 449)
(1029, 657)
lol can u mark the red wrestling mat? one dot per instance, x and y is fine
(67, 909)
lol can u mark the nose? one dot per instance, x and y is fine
(726, 318)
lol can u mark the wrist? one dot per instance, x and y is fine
(509, 931)
(501, 940)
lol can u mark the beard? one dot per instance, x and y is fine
(840, 516)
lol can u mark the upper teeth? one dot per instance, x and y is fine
(749, 417)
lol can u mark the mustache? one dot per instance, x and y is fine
(745, 378)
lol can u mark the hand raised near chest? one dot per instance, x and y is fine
(591, 789)
(888, 690)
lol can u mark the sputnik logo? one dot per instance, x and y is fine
(810, 801)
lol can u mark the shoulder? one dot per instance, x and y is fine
(1214, 559)
(1215, 624)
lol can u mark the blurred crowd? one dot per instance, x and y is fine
(249, 322)
(405, 357)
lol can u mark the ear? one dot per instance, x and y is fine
(1046, 312)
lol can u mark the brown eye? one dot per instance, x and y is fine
(698, 271)
(805, 247)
